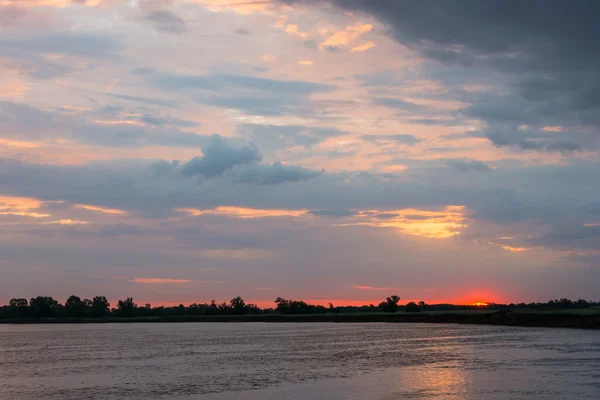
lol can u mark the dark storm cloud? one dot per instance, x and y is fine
(580, 237)
(501, 135)
(548, 48)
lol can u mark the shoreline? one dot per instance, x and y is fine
(550, 319)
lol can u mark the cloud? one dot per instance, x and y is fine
(90, 45)
(244, 213)
(336, 154)
(363, 47)
(341, 213)
(310, 44)
(252, 95)
(219, 82)
(570, 237)
(362, 287)
(166, 21)
(155, 281)
(400, 138)
(111, 211)
(511, 135)
(274, 174)
(26, 122)
(465, 165)
(9, 15)
(399, 104)
(113, 230)
(219, 156)
(342, 39)
(285, 136)
(529, 46)
(144, 100)
(242, 31)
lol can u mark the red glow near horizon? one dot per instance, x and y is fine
(482, 301)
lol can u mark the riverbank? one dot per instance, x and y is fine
(584, 319)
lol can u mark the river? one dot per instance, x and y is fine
(252, 361)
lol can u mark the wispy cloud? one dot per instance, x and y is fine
(112, 211)
(159, 280)
(362, 287)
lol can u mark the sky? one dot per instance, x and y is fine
(180, 151)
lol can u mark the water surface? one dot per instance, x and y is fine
(297, 361)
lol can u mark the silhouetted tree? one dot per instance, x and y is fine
(100, 306)
(19, 307)
(412, 307)
(47, 307)
(297, 307)
(283, 305)
(43, 307)
(75, 307)
(237, 305)
(390, 304)
(126, 308)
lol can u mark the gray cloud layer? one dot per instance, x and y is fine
(548, 48)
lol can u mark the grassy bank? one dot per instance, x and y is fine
(586, 319)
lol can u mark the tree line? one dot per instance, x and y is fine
(99, 307)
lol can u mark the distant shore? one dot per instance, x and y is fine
(581, 319)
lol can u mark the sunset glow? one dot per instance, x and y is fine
(429, 224)
(329, 149)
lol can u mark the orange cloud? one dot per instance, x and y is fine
(292, 30)
(345, 37)
(119, 122)
(553, 129)
(239, 6)
(67, 222)
(513, 249)
(429, 224)
(18, 143)
(240, 212)
(21, 206)
(363, 47)
(112, 211)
